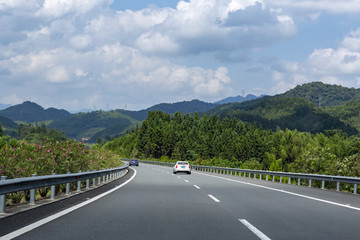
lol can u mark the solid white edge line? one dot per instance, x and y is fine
(283, 191)
(214, 198)
(196, 186)
(62, 213)
(256, 231)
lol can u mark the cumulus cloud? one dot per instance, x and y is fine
(58, 8)
(216, 26)
(339, 65)
(77, 52)
(331, 6)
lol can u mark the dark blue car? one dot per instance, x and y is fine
(133, 162)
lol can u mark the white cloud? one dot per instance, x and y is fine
(352, 41)
(215, 25)
(331, 65)
(332, 6)
(58, 75)
(58, 8)
(11, 99)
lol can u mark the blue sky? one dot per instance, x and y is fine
(111, 54)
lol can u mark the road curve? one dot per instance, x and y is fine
(157, 204)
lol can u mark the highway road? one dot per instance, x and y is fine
(156, 204)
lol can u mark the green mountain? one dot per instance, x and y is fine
(94, 124)
(238, 99)
(9, 126)
(324, 95)
(32, 112)
(297, 108)
(284, 112)
(171, 108)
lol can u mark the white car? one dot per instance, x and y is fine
(182, 166)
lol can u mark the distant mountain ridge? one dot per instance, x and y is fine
(94, 124)
(284, 112)
(311, 107)
(324, 95)
(32, 112)
(238, 99)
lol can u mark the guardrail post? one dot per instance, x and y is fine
(3, 198)
(93, 182)
(280, 179)
(289, 182)
(273, 178)
(322, 184)
(88, 182)
(267, 177)
(79, 184)
(254, 175)
(32, 193)
(103, 179)
(52, 190)
(299, 179)
(67, 191)
(310, 182)
(355, 188)
(338, 186)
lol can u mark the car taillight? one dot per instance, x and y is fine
(189, 166)
(176, 166)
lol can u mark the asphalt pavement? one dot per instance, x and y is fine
(154, 203)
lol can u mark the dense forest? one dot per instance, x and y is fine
(287, 112)
(324, 95)
(210, 140)
(38, 132)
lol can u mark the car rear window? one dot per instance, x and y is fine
(182, 163)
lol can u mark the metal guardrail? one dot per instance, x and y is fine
(34, 182)
(266, 175)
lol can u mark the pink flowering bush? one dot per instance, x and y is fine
(19, 159)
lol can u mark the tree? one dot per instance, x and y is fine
(1, 131)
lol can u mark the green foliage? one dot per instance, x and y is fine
(1, 131)
(284, 113)
(93, 125)
(36, 133)
(324, 95)
(19, 159)
(211, 140)
(8, 126)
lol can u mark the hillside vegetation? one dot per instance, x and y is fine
(313, 107)
(233, 143)
(94, 124)
(31, 112)
(324, 95)
(284, 113)
(9, 127)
